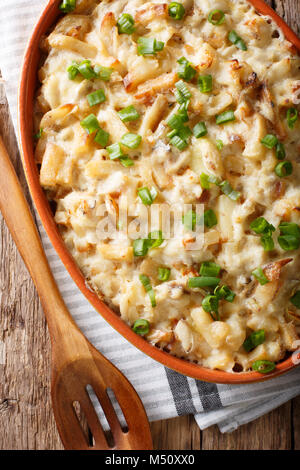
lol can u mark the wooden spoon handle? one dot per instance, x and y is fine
(20, 222)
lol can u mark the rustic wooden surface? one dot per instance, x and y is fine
(26, 419)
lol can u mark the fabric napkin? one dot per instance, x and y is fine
(164, 392)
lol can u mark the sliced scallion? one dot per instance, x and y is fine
(125, 24)
(210, 304)
(269, 141)
(102, 138)
(260, 276)
(164, 274)
(208, 268)
(149, 46)
(185, 70)
(176, 10)
(148, 288)
(235, 39)
(131, 141)
(146, 197)
(216, 17)
(205, 83)
(203, 281)
(67, 6)
(226, 188)
(141, 327)
(200, 130)
(128, 114)
(96, 97)
(90, 124)
(292, 117)
(223, 118)
(255, 339)
(263, 367)
(284, 169)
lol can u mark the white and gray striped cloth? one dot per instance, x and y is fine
(164, 392)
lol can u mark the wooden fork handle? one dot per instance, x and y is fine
(20, 222)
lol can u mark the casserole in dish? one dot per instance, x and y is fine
(144, 103)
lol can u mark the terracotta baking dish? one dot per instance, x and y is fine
(26, 98)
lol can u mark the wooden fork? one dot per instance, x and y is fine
(75, 362)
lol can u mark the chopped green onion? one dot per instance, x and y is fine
(205, 180)
(227, 189)
(128, 114)
(260, 276)
(149, 46)
(126, 161)
(146, 196)
(131, 141)
(210, 304)
(183, 89)
(96, 97)
(90, 124)
(103, 73)
(148, 288)
(210, 218)
(125, 24)
(164, 274)
(284, 169)
(200, 130)
(269, 141)
(141, 327)
(175, 121)
(185, 70)
(262, 226)
(73, 70)
(216, 17)
(223, 292)
(280, 151)
(267, 242)
(140, 247)
(223, 118)
(296, 299)
(259, 225)
(219, 144)
(210, 269)
(67, 6)
(203, 281)
(263, 367)
(178, 142)
(155, 239)
(115, 151)
(87, 70)
(102, 138)
(205, 83)
(182, 111)
(289, 228)
(184, 132)
(176, 10)
(237, 40)
(189, 220)
(255, 339)
(292, 116)
(289, 242)
(39, 134)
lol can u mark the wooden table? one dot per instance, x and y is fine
(26, 419)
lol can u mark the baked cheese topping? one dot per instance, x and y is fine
(187, 103)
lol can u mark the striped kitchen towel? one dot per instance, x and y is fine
(164, 392)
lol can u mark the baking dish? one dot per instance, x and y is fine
(26, 98)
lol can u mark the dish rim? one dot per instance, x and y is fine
(25, 122)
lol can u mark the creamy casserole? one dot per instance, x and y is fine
(145, 103)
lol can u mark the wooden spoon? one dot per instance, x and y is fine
(75, 362)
